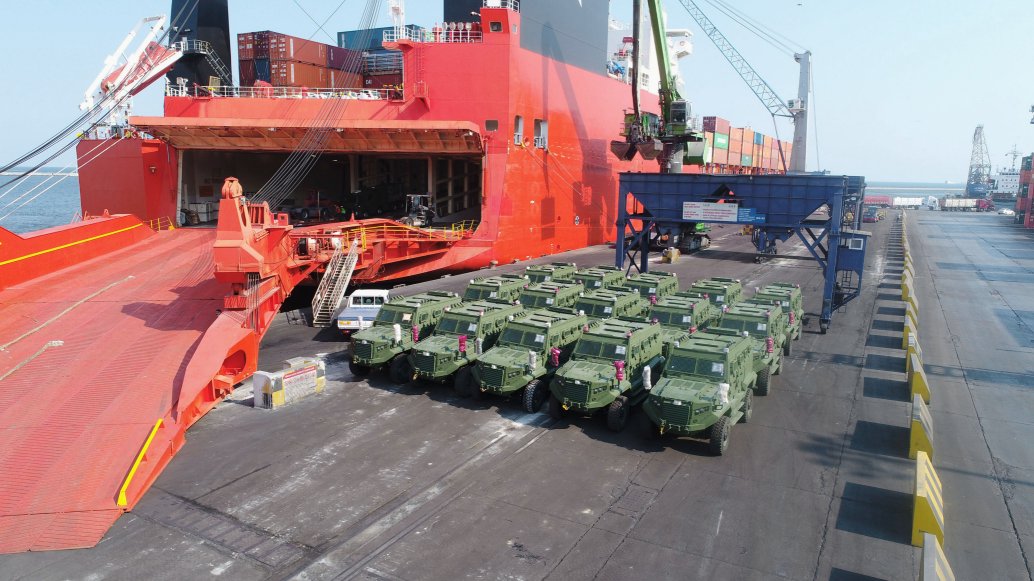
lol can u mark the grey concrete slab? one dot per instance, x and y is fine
(637, 559)
(1018, 488)
(976, 552)
(971, 493)
(734, 531)
(949, 395)
(959, 438)
(997, 402)
(587, 557)
(1011, 443)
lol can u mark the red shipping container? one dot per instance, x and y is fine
(295, 74)
(748, 140)
(291, 48)
(246, 70)
(345, 80)
(382, 81)
(721, 156)
(716, 124)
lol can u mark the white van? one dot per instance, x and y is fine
(361, 309)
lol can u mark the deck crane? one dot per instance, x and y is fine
(796, 109)
(669, 137)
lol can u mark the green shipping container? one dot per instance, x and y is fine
(721, 141)
(746, 160)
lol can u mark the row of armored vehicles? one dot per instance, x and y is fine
(594, 341)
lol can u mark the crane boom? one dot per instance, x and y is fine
(796, 110)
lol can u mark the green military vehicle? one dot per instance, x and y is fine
(550, 294)
(554, 271)
(465, 332)
(719, 290)
(399, 324)
(528, 353)
(678, 315)
(766, 326)
(607, 303)
(599, 277)
(653, 284)
(613, 366)
(788, 296)
(706, 387)
(503, 287)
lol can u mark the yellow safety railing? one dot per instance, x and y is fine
(163, 223)
(122, 499)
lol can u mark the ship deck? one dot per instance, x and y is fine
(92, 358)
(373, 481)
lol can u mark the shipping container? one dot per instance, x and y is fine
(343, 59)
(263, 72)
(721, 141)
(371, 39)
(246, 71)
(717, 125)
(759, 138)
(747, 160)
(291, 48)
(748, 140)
(736, 139)
(382, 81)
(720, 156)
(345, 80)
(295, 74)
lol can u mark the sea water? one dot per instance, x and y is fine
(38, 202)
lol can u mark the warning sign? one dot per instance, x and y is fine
(709, 212)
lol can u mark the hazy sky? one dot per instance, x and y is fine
(899, 86)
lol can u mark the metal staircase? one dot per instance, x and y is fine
(333, 285)
(201, 47)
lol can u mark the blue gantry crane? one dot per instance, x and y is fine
(822, 210)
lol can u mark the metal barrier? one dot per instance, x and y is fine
(928, 502)
(912, 315)
(908, 332)
(349, 93)
(163, 223)
(935, 564)
(921, 429)
(438, 35)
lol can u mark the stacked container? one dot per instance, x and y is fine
(288, 61)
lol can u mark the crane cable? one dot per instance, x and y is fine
(71, 127)
(774, 36)
(775, 43)
(307, 153)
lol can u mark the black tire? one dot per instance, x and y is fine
(787, 348)
(556, 411)
(358, 369)
(748, 407)
(535, 394)
(617, 414)
(401, 370)
(764, 378)
(464, 383)
(719, 437)
(779, 365)
(304, 214)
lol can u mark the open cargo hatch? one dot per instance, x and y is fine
(347, 136)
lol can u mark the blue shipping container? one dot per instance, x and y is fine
(262, 70)
(369, 39)
(759, 139)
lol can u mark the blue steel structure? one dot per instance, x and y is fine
(777, 206)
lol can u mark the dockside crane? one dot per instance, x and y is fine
(796, 109)
(979, 166)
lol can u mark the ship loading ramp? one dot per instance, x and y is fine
(822, 210)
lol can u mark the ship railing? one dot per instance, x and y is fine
(371, 234)
(449, 33)
(514, 5)
(162, 223)
(359, 94)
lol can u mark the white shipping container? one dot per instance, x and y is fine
(902, 202)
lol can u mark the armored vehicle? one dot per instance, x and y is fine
(527, 354)
(766, 326)
(550, 294)
(720, 290)
(399, 324)
(554, 271)
(787, 296)
(613, 366)
(464, 333)
(504, 287)
(653, 284)
(599, 277)
(606, 303)
(707, 386)
(680, 315)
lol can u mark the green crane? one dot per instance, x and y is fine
(668, 137)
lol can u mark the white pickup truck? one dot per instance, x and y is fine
(360, 310)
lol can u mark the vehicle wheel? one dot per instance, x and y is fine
(304, 214)
(463, 382)
(748, 407)
(786, 346)
(719, 441)
(401, 370)
(764, 376)
(617, 414)
(779, 365)
(535, 394)
(358, 369)
(556, 411)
